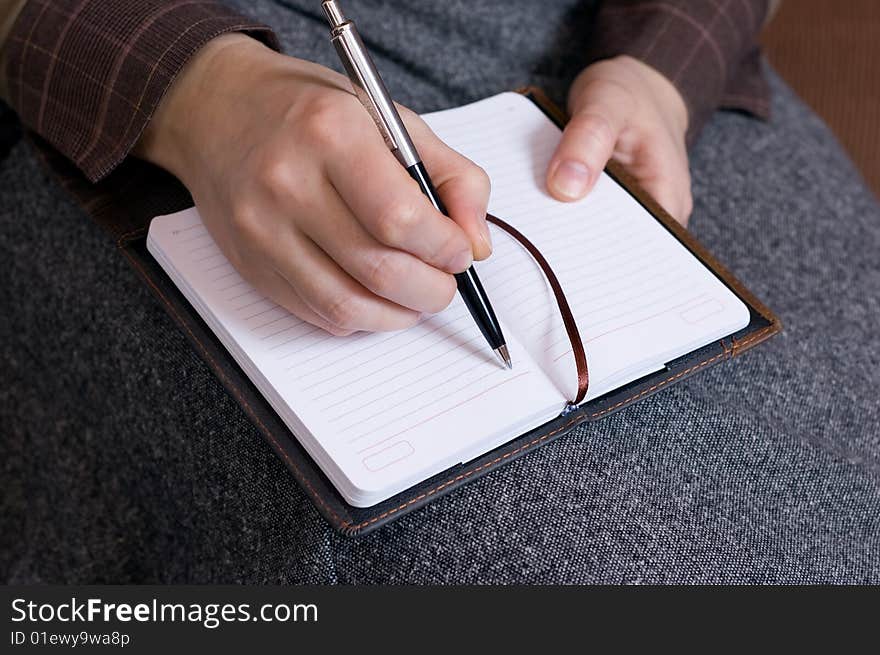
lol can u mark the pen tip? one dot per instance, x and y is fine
(504, 356)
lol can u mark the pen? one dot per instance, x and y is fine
(371, 91)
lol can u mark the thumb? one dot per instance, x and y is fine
(463, 186)
(588, 141)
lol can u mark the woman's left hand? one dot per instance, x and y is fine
(623, 109)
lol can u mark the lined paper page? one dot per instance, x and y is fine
(639, 297)
(378, 412)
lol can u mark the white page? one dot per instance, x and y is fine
(378, 412)
(382, 412)
(639, 297)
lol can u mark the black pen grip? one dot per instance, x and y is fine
(469, 285)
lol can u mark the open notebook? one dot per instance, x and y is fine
(382, 412)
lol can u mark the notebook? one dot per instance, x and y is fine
(382, 412)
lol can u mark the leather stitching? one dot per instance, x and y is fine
(353, 528)
(123, 240)
(461, 476)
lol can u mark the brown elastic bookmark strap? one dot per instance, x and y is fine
(577, 346)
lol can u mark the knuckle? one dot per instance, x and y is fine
(276, 176)
(247, 225)
(451, 247)
(337, 331)
(395, 221)
(444, 295)
(481, 176)
(597, 128)
(343, 312)
(385, 271)
(411, 319)
(319, 121)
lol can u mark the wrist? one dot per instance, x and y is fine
(174, 135)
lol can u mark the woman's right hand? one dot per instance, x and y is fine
(298, 189)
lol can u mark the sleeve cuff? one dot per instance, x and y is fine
(709, 53)
(748, 90)
(87, 76)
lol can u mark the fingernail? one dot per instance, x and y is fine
(487, 245)
(462, 261)
(486, 238)
(571, 179)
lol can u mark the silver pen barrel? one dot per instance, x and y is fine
(368, 85)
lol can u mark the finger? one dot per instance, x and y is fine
(279, 291)
(390, 273)
(664, 174)
(463, 186)
(588, 140)
(389, 204)
(675, 202)
(330, 292)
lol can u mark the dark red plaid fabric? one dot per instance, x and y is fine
(707, 48)
(86, 75)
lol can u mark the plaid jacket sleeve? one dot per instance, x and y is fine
(87, 75)
(707, 48)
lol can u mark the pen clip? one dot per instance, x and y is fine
(360, 86)
(368, 85)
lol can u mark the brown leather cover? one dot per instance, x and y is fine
(126, 214)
